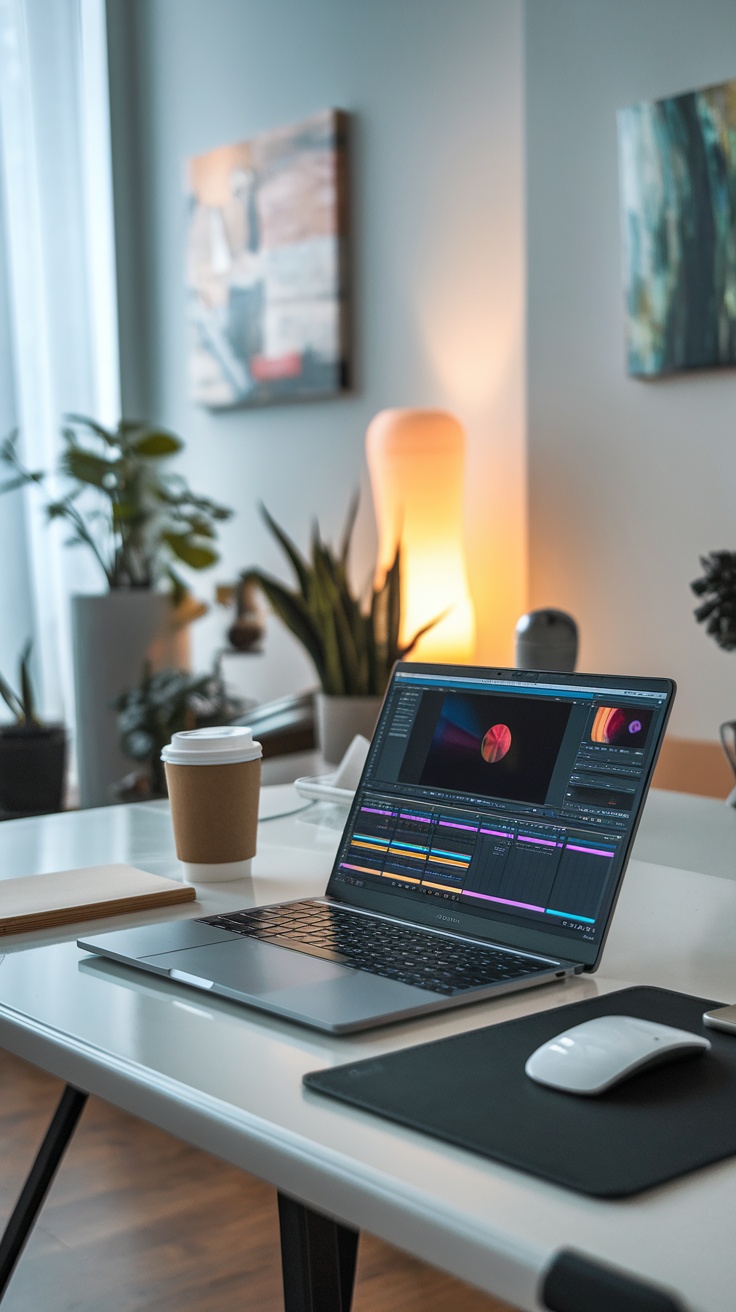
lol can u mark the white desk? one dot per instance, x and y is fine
(229, 1080)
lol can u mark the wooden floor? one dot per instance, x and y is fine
(138, 1220)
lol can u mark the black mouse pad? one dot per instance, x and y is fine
(471, 1090)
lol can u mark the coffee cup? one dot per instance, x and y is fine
(214, 778)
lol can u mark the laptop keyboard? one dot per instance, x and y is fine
(381, 947)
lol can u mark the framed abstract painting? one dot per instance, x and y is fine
(267, 267)
(677, 168)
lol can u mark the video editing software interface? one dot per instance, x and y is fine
(511, 798)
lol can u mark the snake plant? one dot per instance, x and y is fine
(352, 642)
(22, 705)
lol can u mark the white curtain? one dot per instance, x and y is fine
(56, 191)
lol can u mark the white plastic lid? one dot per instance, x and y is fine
(219, 745)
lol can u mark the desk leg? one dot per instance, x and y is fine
(318, 1258)
(38, 1181)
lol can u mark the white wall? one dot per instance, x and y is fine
(435, 91)
(630, 481)
(16, 607)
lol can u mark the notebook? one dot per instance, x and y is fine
(483, 853)
(66, 896)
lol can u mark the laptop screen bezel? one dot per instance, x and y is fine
(449, 917)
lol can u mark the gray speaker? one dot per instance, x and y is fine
(546, 640)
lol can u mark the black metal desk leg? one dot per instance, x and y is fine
(318, 1258)
(38, 1182)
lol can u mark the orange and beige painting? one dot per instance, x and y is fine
(266, 267)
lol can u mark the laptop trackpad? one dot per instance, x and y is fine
(250, 967)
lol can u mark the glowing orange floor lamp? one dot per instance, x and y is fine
(416, 462)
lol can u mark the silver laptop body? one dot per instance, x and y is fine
(483, 853)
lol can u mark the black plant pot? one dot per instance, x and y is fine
(32, 764)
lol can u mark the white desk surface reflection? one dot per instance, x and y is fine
(229, 1079)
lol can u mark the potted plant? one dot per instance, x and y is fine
(140, 523)
(717, 587)
(32, 754)
(352, 641)
(164, 703)
(717, 611)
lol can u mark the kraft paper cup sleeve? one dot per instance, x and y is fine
(214, 810)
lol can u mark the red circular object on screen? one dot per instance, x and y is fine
(496, 743)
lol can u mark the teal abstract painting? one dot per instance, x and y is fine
(677, 165)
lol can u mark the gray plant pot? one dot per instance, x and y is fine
(340, 718)
(114, 634)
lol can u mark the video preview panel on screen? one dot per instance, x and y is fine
(491, 746)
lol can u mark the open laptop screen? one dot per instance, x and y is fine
(503, 802)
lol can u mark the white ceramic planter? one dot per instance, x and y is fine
(113, 635)
(340, 718)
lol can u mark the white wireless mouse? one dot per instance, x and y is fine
(592, 1057)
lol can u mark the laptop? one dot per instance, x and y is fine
(483, 853)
